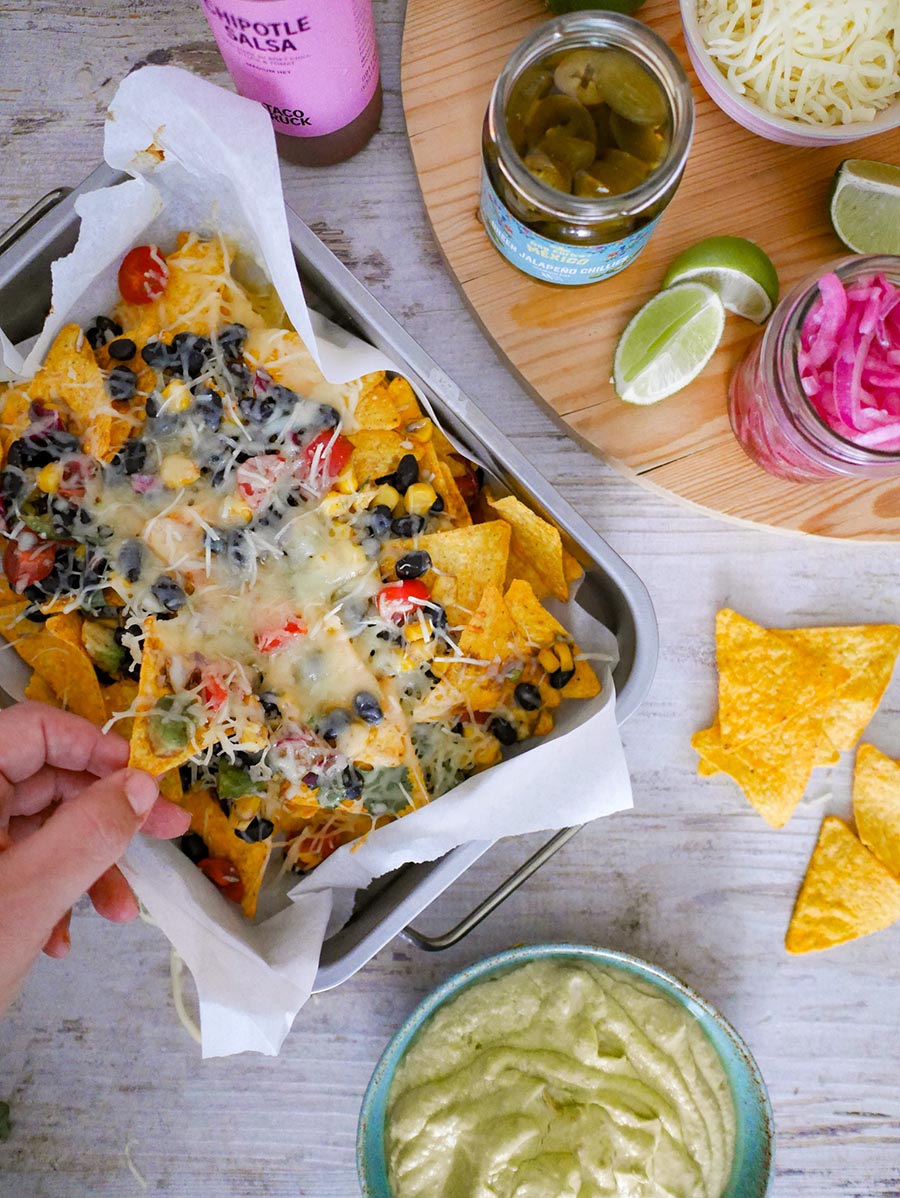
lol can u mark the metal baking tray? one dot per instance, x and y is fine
(611, 591)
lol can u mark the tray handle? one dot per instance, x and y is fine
(434, 944)
(11, 235)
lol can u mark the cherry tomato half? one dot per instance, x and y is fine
(276, 638)
(224, 875)
(258, 477)
(213, 692)
(325, 456)
(143, 275)
(398, 600)
(24, 566)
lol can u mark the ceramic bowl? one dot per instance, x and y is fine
(755, 118)
(754, 1144)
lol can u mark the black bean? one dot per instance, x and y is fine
(504, 731)
(122, 350)
(413, 564)
(284, 399)
(191, 354)
(333, 723)
(168, 594)
(328, 416)
(131, 556)
(35, 615)
(224, 804)
(231, 339)
(157, 354)
(379, 520)
(438, 506)
(559, 678)
(208, 406)
(122, 383)
(101, 331)
(352, 781)
(258, 829)
(245, 758)
(40, 448)
(238, 548)
(436, 614)
(132, 457)
(367, 707)
(214, 540)
(270, 705)
(12, 486)
(256, 409)
(63, 514)
(407, 526)
(528, 696)
(194, 847)
(239, 378)
(407, 473)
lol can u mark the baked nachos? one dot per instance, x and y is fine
(295, 598)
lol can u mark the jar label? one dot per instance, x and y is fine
(554, 261)
(313, 65)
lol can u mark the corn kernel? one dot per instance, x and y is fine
(408, 663)
(246, 807)
(422, 430)
(386, 496)
(49, 477)
(177, 396)
(235, 508)
(414, 632)
(564, 653)
(548, 660)
(176, 471)
(345, 483)
(419, 498)
(255, 737)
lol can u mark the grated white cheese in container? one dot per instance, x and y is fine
(822, 62)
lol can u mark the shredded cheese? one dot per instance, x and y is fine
(822, 62)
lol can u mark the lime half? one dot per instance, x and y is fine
(739, 272)
(865, 206)
(667, 343)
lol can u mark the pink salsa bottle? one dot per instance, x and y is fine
(312, 63)
(784, 430)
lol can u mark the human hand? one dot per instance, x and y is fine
(68, 809)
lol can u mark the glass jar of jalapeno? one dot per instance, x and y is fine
(585, 140)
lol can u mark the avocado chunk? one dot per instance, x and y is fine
(103, 648)
(234, 782)
(169, 728)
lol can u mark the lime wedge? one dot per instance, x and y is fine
(667, 343)
(740, 273)
(865, 206)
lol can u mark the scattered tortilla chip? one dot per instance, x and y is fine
(772, 770)
(70, 373)
(250, 860)
(765, 679)
(876, 805)
(536, 542)
(868, 653)
(67, 669)
(42, 692)
(847, 893)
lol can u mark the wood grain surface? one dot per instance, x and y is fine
(561, 340)
(92, 1059)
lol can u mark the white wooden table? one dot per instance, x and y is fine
(92, 1059)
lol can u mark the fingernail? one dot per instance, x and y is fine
(141, 791)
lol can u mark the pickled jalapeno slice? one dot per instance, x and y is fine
(629, 89)
(573, 153)
(646, 142)
(548, 172)
(563, 113)
(579, 76)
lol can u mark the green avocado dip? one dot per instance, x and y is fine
(560, 1079)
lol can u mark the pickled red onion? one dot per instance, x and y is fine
(848, 359)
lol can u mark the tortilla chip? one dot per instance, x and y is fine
(773, 770)
(572, 567)
(765, 679)
(542, 631)
(284, 355)
(535, 542)
(170, 786)
(454, 504)
(68, 671)
(250, 860)
(67, 626)
(876, 805)
(404, 400)
(868, 653)
(375, 409)
(847, 893)
(70, 373)
(15, 416)
(376, 452)
(41, 691)
(118, 697)
(152, 686)
(473, 557)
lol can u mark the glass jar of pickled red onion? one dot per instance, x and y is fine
(817, 395)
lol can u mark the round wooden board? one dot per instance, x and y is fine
(560, 341)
